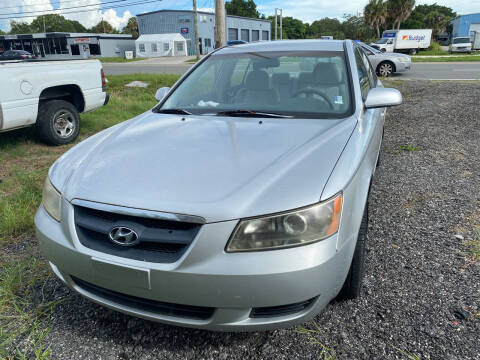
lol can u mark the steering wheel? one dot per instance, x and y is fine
(314, 91)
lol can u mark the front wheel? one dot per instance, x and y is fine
(385, 69)
(58, 122)
(353, 283)
(413, 51)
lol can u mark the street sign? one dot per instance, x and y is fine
(184, 30)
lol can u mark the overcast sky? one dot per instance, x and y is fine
(306, 10)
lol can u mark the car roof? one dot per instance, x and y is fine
(286, 45)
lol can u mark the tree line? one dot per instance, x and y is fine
(58, 23)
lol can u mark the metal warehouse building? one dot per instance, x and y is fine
(181, 21)
(58, 45)
(466, 25)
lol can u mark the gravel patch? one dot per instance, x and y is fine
(421, 293)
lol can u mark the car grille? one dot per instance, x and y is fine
(272, 311)
(157, 307)
(160, 241)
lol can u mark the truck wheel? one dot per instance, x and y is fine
(353, 283)
(58, 122)
(385, 69)
(413, 51)
(383, 50)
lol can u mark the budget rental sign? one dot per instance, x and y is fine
(413, 37)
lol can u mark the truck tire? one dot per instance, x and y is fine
(413, 51)
(353, 283)
(58, 122)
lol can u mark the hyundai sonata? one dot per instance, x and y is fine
(239, 202)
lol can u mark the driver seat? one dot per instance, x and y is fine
(328, 79)
(257, 89)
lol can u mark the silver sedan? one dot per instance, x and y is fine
(238, 203)
(385, 64)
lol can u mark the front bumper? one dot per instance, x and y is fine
(460, 50)
(205, 276)
(402, 66)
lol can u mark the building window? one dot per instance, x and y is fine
(208, 43)
(265, 35)
(179, 46)
(154, 48)
(184, 19)
(95, 49)
(255, 35)
(203, 18)
(246, 35)
(232, 34)
(75, 49)
(166, 46)
(141, 47)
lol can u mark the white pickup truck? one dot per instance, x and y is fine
(50, 95)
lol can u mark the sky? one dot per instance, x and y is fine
(306, 10)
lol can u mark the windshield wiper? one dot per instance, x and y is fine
(251, 113)
(173, 111)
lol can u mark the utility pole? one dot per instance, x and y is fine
(220, 27)
(276, 11)
(195, 29)
(103, 23)
(44, 28)
(281, 26)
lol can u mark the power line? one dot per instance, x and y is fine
(46, 3)
(60, 9)
(83, 11)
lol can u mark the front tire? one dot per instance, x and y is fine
(58, 122)
(413, 51)
(385, 69)
(353, 283)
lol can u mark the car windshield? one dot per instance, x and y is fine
(369, 48)
(297, 84)
(382, 41)
(461, 40)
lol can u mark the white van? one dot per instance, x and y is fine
(410, 41)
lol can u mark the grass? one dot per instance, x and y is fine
(24, 312)
(315, 337)
(408, 355)
(474, 247)
(409, 147)
(24, 165)
(453, 58)
(118, 59)
(192, 61)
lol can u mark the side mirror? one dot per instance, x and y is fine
(160, 94)
(383, 97)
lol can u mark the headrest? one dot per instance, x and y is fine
(305, 78)
(281, 78)
(327, 74)
(258, 80)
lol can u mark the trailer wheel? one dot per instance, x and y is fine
(413, 51)
(58, 122)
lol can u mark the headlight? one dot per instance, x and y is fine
(51, 200)
(294, 228)
(403, 59)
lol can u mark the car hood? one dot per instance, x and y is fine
(214, 167)
(394, 55)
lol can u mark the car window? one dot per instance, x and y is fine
(372, 78)
(461, 40)
(362, 74)
(309, 84)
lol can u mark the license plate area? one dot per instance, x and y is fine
(121, 275)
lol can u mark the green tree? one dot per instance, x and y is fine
(55, 22)
(292, 28)
(375, 14)
(19, 27)
(104, 27)
(131, 27)
(354, 28)
(326, 27)
(246, 8)
(399, 11)
(435, 17)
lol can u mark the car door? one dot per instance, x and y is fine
(372, 120)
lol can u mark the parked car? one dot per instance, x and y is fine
(385, 64)
(239, 202)
(50, 95)
(460, 44)
(15, 55)
(236, 42)
(408, 41)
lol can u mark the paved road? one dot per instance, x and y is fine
(426, 71)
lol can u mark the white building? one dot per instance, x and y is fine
(156, 45)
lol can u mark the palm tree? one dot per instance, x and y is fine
(375, 14)
(399, 11)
